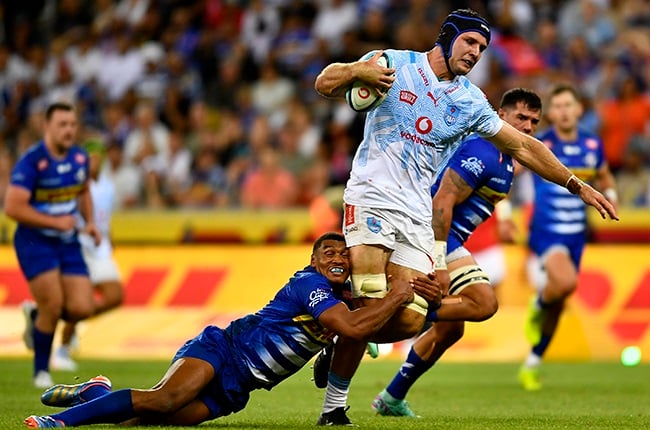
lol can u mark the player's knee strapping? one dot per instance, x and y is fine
(375, 286)
(371, 285)
(465, 276)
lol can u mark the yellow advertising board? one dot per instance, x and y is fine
(172, 292)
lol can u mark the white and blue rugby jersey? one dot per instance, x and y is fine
(415, 129)
(102, 192)
(54, 183)
(489, 172)
(556, 210)
(283, 336)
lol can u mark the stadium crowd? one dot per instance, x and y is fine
(211, 103)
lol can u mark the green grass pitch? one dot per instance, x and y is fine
(451, 396)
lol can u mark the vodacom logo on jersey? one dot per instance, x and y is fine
(423, 125)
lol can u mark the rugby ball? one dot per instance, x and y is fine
(363, 98)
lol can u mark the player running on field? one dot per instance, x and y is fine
(476, 179)
(429, 108)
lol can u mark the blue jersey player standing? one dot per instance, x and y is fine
(213, 374)
(558, 226)
(49, 185)
(429, 108)
(477, 177)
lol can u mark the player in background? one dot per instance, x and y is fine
(430, 106)
(212, 375)
(49, 186)
(559, 224)
(103, 270)
(477, 178)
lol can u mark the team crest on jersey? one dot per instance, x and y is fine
(473, 165)
(374, 224)
(80, 158)
(591, 143)
(590, 159)
(42, 164)
(451, 115)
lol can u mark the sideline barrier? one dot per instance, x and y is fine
(172, 292)
(287, 226)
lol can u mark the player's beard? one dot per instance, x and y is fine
(61, 146)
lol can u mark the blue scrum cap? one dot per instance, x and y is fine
(458, 22)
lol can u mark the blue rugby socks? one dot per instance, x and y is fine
(42, 350)
(412, 368)
(114, 407)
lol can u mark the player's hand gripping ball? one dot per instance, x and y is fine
(360, 96)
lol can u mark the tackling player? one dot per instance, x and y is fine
(212, 375)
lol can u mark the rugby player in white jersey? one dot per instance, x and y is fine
(102, 268)
(430, 106)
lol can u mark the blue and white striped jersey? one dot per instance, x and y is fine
(54, 183)
(489, 172)
(285, 334)
(556, 210)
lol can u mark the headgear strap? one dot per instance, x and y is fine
(458, 22)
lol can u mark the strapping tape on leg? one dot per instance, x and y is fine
(369, 285)
(466, 276)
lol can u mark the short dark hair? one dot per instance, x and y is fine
(564, 88)
(528, 97)
(57, 106)
(327, 236)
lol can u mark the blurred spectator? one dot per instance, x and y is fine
(184, 79)
(333, 20)
(375, 33)
(633, 179)
(84, 58)
(153, 83)
(131, 11)
(116, 123)
(589, 20)
(418, 31)
(178, 177)
(70, 16)
(209, 186)
(269, 186)
(271, 93)
(622, 117)
(147, 145)
(126, 178)
(121, 68)
(260, 25)
(295, 49)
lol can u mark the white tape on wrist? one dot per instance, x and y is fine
(440, 255)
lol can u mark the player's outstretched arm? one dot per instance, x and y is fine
(336, 78)
(534, 155)
(364, 322)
